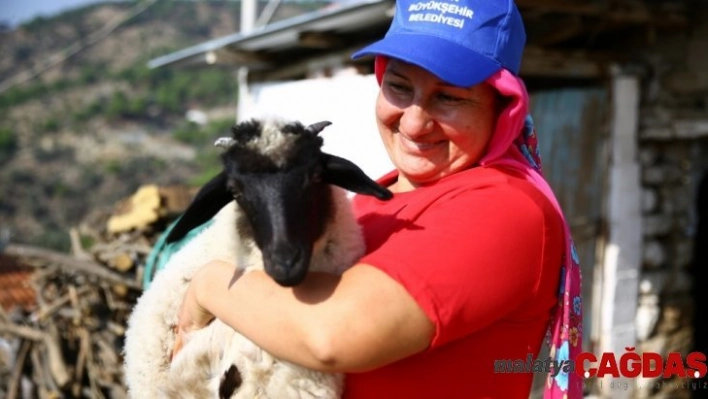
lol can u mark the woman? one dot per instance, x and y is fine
(464, 264)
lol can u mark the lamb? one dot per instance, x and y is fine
(287, 218)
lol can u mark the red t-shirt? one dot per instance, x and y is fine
(480, 251)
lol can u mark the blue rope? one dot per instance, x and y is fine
(162, 252)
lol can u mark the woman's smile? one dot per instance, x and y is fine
(430, 128)
(420, 148)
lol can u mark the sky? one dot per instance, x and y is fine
(15, 12)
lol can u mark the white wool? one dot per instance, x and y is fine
(209, 352)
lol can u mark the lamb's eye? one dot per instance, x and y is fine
(311, 181)
(236, 188)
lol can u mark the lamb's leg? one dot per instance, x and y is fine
(148, 341)
(215, 362)
(230, 382)
(192, 370)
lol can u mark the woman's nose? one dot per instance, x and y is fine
(415, 121)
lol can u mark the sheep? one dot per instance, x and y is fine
(287, 218)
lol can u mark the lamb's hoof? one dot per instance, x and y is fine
(230, 382)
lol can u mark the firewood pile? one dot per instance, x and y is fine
(70, 345)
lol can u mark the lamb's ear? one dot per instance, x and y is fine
(208, 201)
(346, 174)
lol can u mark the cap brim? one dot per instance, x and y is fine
(448, 61)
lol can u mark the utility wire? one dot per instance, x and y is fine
(75, 48)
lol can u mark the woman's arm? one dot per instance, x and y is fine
(355, 322)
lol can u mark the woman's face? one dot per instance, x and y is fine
(430, 128)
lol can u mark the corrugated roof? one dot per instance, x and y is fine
(569, 38)
(288, 38)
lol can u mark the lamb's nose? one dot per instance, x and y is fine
(286, 258)
(287, 265)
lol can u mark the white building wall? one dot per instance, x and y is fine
(623, 253)
(348, 101)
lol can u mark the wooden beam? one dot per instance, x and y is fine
(557, 31)
(303, 66)
(322, 40)
(629, 13)
(539, 62)
(560, 6)
(231, 56)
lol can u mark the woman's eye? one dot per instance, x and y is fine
(398, 87)
(447, 98)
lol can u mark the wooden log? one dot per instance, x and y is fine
(23, 332)
(49, 310)
(40, 376)
(72, 339)
(16, 376)
(84, 347)
(54, 359)
(76, 248)
(66, 261)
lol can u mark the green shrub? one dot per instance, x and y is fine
(200, 136)
(118, 106)
(89, 74)
(54, 239)
(22, 177)
(23, 53)
(92, 110)
(209, 164)
(59, 153)
(50, 125)
(220, 127)
(87, 241)
(113, 167)
(8, 144)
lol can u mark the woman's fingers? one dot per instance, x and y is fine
(192, 315)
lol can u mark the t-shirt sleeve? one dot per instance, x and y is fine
(469, 258)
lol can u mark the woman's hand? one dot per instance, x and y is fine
(213, 280)
(191, 317)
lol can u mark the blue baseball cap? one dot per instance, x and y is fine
(463, 42)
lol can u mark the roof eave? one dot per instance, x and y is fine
(271, 33)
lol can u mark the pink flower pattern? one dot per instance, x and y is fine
(566, 324)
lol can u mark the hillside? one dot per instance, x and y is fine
(84, 122)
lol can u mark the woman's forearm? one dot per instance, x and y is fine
(324, 323)
(249, 304)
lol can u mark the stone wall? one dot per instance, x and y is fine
(673, 153)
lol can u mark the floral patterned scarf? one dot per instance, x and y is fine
(515, 145)
(520, 151)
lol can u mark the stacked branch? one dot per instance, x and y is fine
(70, 345)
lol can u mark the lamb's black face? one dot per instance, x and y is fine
(282, 181)
(286, 207)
